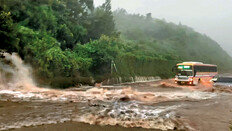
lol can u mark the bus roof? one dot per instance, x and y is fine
(195, 63)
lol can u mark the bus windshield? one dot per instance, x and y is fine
(184, 70)
(185, 73)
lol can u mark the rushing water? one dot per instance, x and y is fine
(24, 106)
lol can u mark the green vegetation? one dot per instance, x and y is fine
(70, 41)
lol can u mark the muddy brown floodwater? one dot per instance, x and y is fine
(139, 106)
(158, 105)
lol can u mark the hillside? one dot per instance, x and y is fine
(169, 40)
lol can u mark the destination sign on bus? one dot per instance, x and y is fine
(184, 67)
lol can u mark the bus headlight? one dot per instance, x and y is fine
(176, 79)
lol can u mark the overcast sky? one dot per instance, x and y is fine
(210, 17)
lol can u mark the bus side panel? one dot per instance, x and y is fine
(205, 77)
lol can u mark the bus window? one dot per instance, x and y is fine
(205, 68)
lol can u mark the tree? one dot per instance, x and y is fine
(102, 22)
(148, 16)
(8, 33)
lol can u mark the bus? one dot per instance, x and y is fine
(192, 73)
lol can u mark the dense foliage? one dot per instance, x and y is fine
(70, 41)
(52, 34)
(8, 35)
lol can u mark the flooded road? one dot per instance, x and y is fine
(158, 105)
(149, 107)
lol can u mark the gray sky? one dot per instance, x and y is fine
(210, 17)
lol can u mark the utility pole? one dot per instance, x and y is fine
(113, 66)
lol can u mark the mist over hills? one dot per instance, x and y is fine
(208, 17)
(229, 49)
(163, 38)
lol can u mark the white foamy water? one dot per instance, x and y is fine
(195, 95)
(105, 95)
(129, 93)
(20, 95)
(132, 115)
